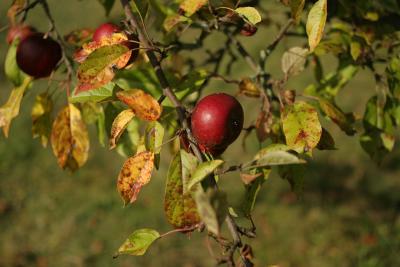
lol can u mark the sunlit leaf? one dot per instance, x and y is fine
(316, 23)
(11, 69)
(41, 117)
(173, 20)
(250, 14)
(271, 148)
(202, 171)
(135, 173)
(119, 125)
(97, 69)
(154, 137)
(138, 242)
(293, 61)
(179, 206)
(144, 105)
(192, 6)
(69, 138)
(249, 88)
(212, 206)
(10, 109)
(275, 158)
(301, 126)
(96, 95)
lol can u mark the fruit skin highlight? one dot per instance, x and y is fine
(19, 31)
(105, 30)
(216, 122)
(38, 56)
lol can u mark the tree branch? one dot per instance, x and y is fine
(135, 26)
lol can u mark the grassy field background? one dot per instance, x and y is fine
(348, 215)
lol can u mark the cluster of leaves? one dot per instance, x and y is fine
(121, 99)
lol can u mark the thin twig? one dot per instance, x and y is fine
(181, 230)
(58, 37)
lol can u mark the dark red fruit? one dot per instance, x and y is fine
(38, 56)
(216, 122)
(19, 31)
(105, 30)
(248, 30)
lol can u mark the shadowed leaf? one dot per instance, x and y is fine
(41, 118)
(202, 171)
(344, 121)
(297, 7)
(293, 61)
(213, 208)
(179, 206)
(135, 173)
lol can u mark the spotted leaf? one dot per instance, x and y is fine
(144, 105)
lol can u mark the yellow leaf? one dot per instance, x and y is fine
(119, 125)
(316, 23)
(10, 110)
(249, 88)
(144, 105)
(135, 173)
(41, 117)
(192, 6)
(69, 138)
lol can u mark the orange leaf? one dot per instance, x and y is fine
(119, 125)
(144, 105)
(135, 173)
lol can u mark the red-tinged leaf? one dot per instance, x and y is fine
(135, 173)
(70, 138)
(119, 125)
(144, 105)
(10, 109)
(301, 126)
(78, 37)
(15, 8)
(41, 117)
(179, 206)
(97, 69)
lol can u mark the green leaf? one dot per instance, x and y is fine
(108, 5)
(173, 20)
(393, 76)
(271, 148)
(252, 189)
(377, 116)
(41, 117)
(191, 82)
(10, 109)
(326, 142)
(94, 95)
(138, 242)
(377, 144)
(11, 69)
(301, 126)
(293, 61)
(202, 171)
(179, 206)
(297, 7)
(250, 14)
(96, 70)
(355, 49)
(213, 208)
(275, 158)
(143, 78)
(154, 137)
(295, 175)
(94, 113)
(344, 121)
(316, 23)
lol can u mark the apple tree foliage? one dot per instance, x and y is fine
(140, 107)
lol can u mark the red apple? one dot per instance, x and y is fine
(19, 31)
(216, 122)
(248, 30)
(38, 56)
(105, 30)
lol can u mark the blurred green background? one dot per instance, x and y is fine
(348, 215)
